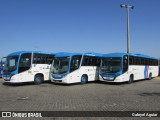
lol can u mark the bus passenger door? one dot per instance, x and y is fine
(24, 66)
(74, 66)
(125, 63)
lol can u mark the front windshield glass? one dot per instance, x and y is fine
(60, 65)
(110, 65)
(10, 64)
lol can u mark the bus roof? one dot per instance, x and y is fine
(63, 54)
(122, 54)
(21, 52)
(93, 54)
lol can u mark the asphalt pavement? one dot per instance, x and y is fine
(95, 96)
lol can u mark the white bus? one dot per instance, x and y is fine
(27, 66)
(75, 67)
(123, 67)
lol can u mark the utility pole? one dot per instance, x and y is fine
(128, 27)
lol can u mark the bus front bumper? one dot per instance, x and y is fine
(110, 79)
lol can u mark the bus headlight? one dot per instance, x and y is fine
(116, 76)
(6, 77)
(11, 76)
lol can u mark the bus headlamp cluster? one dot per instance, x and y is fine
(6, 77)
(116, 76)
(11, 75)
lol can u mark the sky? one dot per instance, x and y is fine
(79, 26)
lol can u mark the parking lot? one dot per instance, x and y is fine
(94, 96)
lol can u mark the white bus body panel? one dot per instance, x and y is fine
(75, 76)
(28, 76)
(139, 73)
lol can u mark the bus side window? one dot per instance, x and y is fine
(131, 60)
(85, 61)
(49, 59)
(125, 63)
(98, 62)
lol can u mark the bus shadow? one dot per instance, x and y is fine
(121, 83)
(17, 84)
(109, 83)
(142, 80)
(62, 84)
(150, 94)
(23, 84)
(72, 84)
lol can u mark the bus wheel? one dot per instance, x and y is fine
(84, 79)
(150, 76)
(38, 79)
(130, 79)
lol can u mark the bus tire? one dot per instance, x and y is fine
(150, 76)
(130, 79)
(37, 79)
(84, 79)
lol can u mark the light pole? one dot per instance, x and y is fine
(128, 28)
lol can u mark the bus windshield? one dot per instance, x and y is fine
(10, 64)
(60, 65)
(110, 65)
